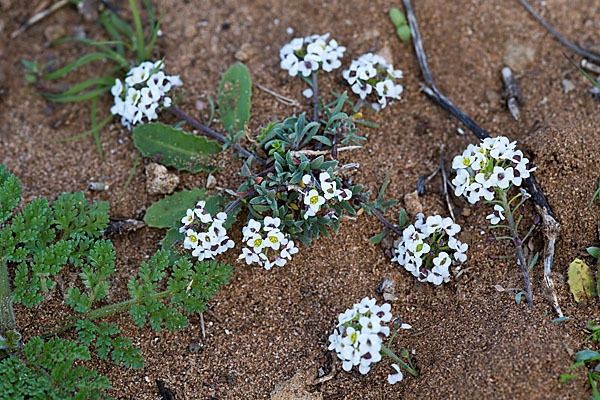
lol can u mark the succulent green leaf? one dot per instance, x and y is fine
(174, 147)
(235, 91)
(168, 212)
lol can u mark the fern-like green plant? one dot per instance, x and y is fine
(43, 241)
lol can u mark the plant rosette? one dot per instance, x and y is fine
(303, 56)
(371, 75)
(266, 244)
(144, 90)
(205, 235)
(429, 247)
(358, 339)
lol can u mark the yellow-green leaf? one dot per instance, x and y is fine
(581, 281)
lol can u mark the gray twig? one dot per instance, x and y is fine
(551, 227)
(564, 41)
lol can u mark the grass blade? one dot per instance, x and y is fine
(79, 97)
(130, 176)
(84, 134)
(138, 28)
(112, 31)
(104, 81)
(113, 55)
(75, 64)
(95, 128)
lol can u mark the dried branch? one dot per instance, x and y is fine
(551, 227)
(564, 41)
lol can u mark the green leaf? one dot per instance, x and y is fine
(586, 355)
(378, 237)
(168, 212)
(397, 17)
(594, 251)
(233, 100)
(174, 147)
(402, 218)
(581, 282)
(75, 64)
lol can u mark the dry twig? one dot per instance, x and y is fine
(551, 227)
(564, 41)
(285, 100)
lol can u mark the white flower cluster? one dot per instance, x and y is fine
(305, 55)
(267, 244)
(372, 74)
(144, 91)
(426, 248)
(358, 337)
(493, 163)
(315, 198)
(205, 235)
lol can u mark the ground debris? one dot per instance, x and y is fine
(297, 387)
(159, 180)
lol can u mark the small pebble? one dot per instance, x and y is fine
(276, 21)
(307, 93)
(412, 203)
(159, 180)
(54, 32)
(460, 131)
(567, 85)
(211, 181)
(289, 30)
(245, 52)
(97, 186)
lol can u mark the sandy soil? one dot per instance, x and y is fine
(470, 340)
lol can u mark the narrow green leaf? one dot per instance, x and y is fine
(378, 237)
(174, 147)
(139, 43)
(75, 64)
(235, 91)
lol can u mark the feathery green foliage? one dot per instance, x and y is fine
(44, 241)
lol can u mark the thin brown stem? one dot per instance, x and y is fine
(514, 235)
(315, 98)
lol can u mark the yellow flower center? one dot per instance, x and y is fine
(420, 247)
(257, 242)
(314, 200)
(466, 162)
(273, 239)
(353, 337)
(193, 239)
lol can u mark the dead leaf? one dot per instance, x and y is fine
(581, 282)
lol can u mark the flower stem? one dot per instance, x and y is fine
(315, 98)
(206, 130)
(514, 236)
(105, 311)
(387, 352)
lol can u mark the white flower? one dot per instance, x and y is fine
(143, 93)
(306, 55)
(427, 246)
(497, 215)
(191, 239)
(371, 74)
(396, 377)
(204, 233)
(267, 244)
(314, 200)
